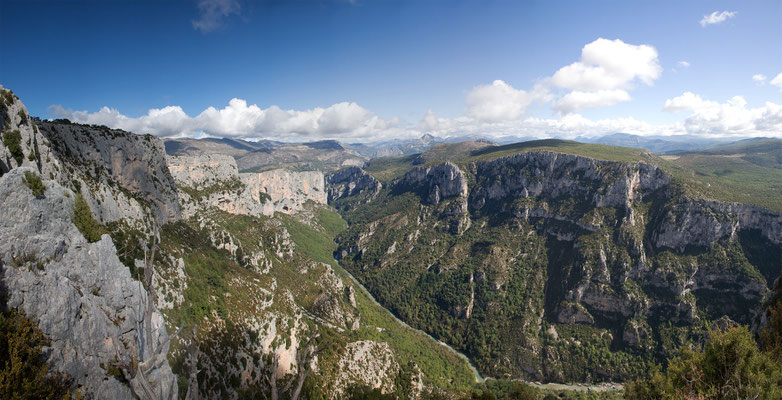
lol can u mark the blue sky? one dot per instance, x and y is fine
(371, 70)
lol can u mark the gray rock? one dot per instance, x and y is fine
(436, 182)
(137, 163)
(350, 182)
(82, 297)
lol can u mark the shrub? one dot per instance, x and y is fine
(13, 141)
(264, 197)
(7, 97)
(771, 333)
(730, 365)
(34, 182)
(23, 371)
(83, 219)
(23, 116)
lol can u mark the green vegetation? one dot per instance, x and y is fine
(750, 176)
(730, 365)
(13, 141)
(22, 116)
(23, 370)
(208, 269)
(264, 197)
(7, 97)
(34, 182)
(85, 222)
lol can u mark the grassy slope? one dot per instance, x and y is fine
(444, 368)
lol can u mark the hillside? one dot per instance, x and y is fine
(557, 260)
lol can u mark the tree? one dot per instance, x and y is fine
(729, 365)
(23, 370)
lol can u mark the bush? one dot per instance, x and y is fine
(23, 116)
(730, 365)
(13, 141)
(7, 97)
(83, 219)
(23, 371)
(34, 182)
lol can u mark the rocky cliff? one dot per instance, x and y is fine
(78, 292)
(214, 181)
(124, 170)
(22, 143)
(351, 182)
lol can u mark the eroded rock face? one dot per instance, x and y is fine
(137, 163)
(437, 182)
(214, 181)
(369, 363)
(33, 150)
(555, 175)
(701, 223)
(350, 182)
(82, 297)
(288, 190)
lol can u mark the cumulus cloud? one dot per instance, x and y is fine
(212, 13)
(605, 73)
(344, 121)
(717, 17)
(760, 79)
(577, 100)
(777, 81)
(683, 64)
(497, 102)
(609, 64)
(732, 118)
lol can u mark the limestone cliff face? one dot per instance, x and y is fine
(437, 182)
(202, 171)
(214, 181)
(289, 190)
(79, 293)
(701, 223)
(554, 175)
(352, 181)
(135, 163)
(33, 148)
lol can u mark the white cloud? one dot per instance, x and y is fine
(213, 12)
(716, 17)
(608, 69)
(609, 64)
(345, 121)
(731, 118)
(760, 79)
(577, 100)
(497, 102)
(683, 64)
(777, 81)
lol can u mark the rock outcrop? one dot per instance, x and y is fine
(350, 182)
(214, 181)
(82, 297)
(436, 182)
(692, 222)
(136, 163)
(553, 175)
(21, 142)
